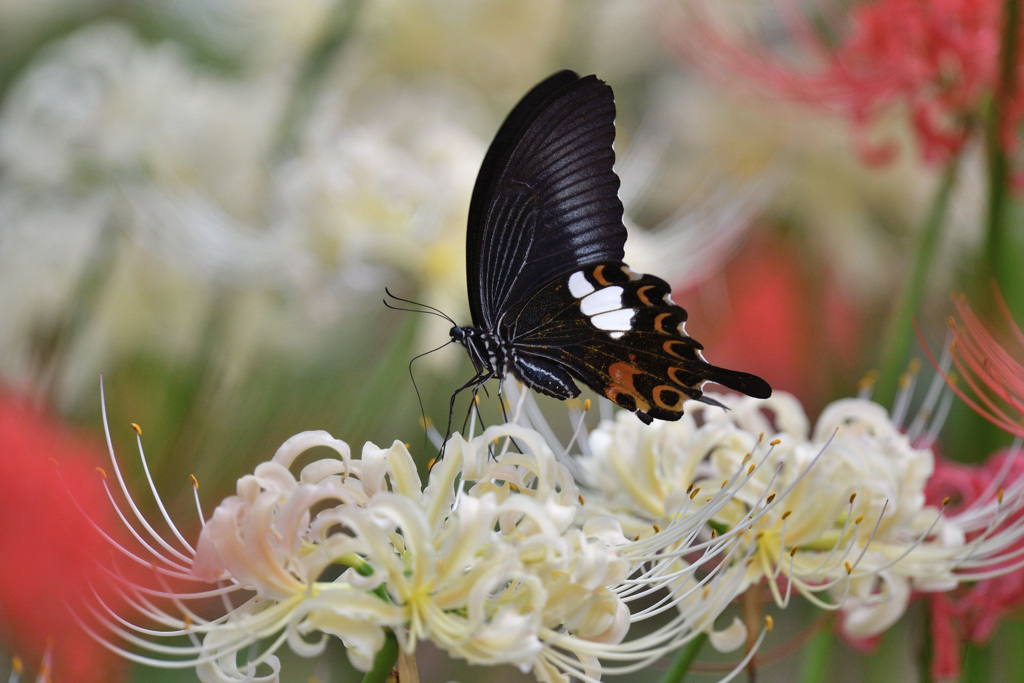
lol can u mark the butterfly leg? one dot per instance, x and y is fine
(504, 412)
(475, 381)
(474, 406)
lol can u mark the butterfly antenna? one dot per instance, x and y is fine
(419, 397)
(423, 308)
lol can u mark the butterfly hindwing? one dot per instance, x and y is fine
(619, 333)
(546, 199)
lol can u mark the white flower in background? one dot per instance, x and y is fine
(261, 33)
(145, 168)
(91, 119)
(173, 177)
(102, 106)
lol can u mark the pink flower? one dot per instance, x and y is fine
(49, 550)
(972, 612)
(937, 61)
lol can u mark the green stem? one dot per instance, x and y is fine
(684, 660)
(814, 662)
(1011, 635)
(387, 656)
(977, 667)
(1002, 261)
(384, 662)
(900, 331)
(926, 653)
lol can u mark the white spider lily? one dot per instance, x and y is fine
(839, 515)
(497, 561)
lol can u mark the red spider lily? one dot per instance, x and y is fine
(49, 549)
(992, 379)
(971, 613)
(937, 61)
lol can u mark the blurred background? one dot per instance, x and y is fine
(204, 200)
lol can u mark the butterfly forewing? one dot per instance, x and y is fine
(546, 200)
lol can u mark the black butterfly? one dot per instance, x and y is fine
(552, 301)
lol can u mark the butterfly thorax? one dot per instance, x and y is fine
(490, 353)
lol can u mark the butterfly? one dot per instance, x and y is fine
(551, 301)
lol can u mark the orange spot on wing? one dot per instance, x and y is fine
(642, 295)
(673, 374)
(599, 276)
(622, 375)
(668, 347)
(659, 319)
(677, 403)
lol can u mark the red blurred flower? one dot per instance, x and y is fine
(937, 61)
(779, 321)
(972, 612)
(49, 551)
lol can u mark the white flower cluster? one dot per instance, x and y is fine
(487, 561)
(838, 511)
(503, 558)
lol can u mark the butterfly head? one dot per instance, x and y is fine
(460, 334)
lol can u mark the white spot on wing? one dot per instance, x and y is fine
(602, 301)
(668, 299)
(615, 321)
(579, 287)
